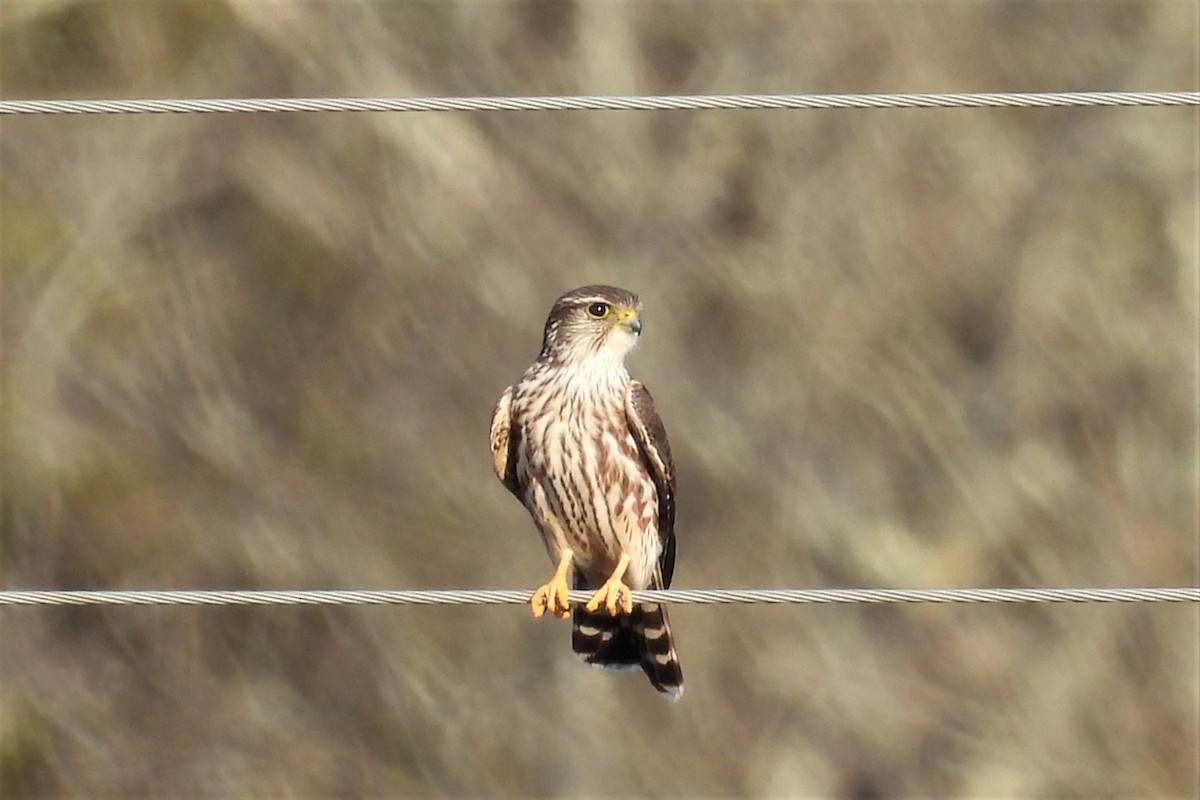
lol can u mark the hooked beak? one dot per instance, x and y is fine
(630, 321)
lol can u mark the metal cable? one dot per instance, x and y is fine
(344, 597)
(601, 103)
(597, 103)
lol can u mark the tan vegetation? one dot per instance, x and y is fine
(893, 348)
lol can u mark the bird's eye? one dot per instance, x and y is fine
(598, 310)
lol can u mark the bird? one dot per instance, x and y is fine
(581, 445)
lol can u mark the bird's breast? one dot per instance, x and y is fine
(584, 470)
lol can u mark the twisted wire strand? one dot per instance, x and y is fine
(600, 102)
(346, 597)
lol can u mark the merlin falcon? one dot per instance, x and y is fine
(580, 445)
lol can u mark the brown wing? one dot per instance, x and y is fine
(505, 439)
(651, 436)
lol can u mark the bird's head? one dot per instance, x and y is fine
(592, 322)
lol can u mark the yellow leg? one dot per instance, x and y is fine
(553, 596)
(613, 592)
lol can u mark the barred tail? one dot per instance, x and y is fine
(624, 642)
(656, 649)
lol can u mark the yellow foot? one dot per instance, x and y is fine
(613, 592)
(553, 596)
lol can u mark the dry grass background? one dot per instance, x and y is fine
(893, 348)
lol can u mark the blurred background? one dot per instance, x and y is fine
(906, 348)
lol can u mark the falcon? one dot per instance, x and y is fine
(581, 446)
